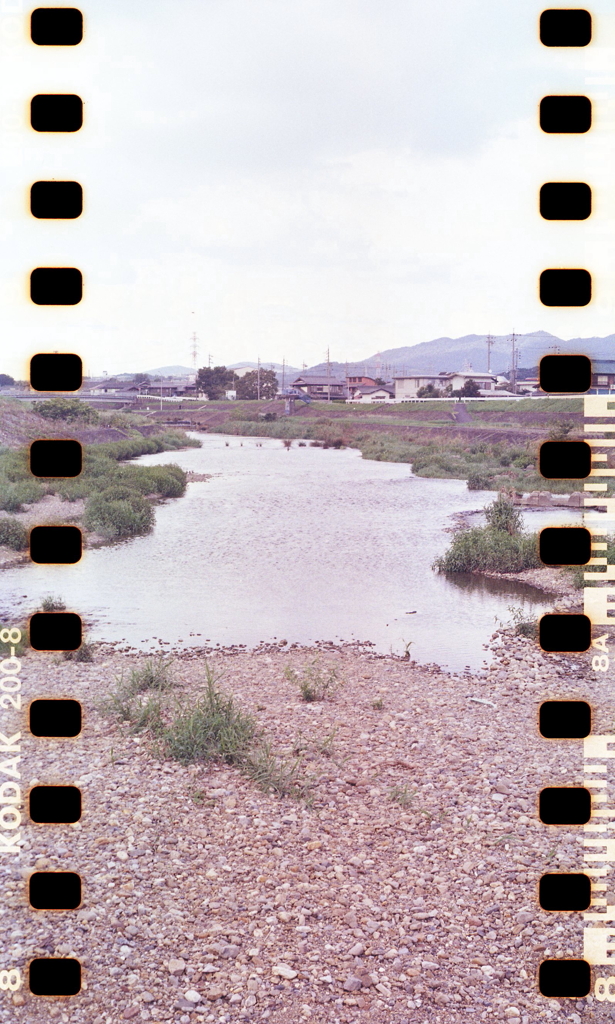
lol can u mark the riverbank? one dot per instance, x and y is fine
(495, 447)
(52, 510)
(111, 498)
(403, 889)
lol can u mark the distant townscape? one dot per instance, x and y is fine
(472, 367)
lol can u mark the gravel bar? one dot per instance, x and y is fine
(403, 891)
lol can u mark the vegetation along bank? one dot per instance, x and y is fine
(493, 445)
(111, 499)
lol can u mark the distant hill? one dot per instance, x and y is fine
(470, 351)
(265, 365)
(170, 371)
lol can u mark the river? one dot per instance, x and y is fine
(303, 545)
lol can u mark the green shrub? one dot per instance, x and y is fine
(68, 409)
(524, 460)
(560, 428)
(478, 482)
(523, 626)
(13, 534)
(72, 490)
(503, 514)
(118, 512)
(23, 492)
(169, 481)
(484, 549)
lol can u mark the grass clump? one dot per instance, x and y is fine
(156, 674)
(82, 654)
(13, 534)
(500, 546)
(402, 795)
(212, 728)
(127, 703)
(478, 482)
(484, 549)
(53, 604)
(315, 682)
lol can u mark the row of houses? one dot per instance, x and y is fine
(129, 389)
(359, 388)
(409, 387)
(400, 389)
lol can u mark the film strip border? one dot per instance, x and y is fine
(62, 631)
(50, 286)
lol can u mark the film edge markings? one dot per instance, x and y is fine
(66, 980)
(59, 891)
(581, 806)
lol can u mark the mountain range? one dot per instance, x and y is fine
(468, 352)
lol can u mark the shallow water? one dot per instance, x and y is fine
(302, 545)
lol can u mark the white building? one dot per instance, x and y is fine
(373, 393)
(407, 387)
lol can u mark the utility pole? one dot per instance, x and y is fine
(209, 361)
(513, 368)
(490, 342)
(328, 378)
(258, 379)
(283, 372)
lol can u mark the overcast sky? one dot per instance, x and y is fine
(283, 176)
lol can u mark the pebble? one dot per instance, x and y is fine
(284, 971)
(176, 966)
(192, 996)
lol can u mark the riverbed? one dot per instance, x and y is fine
(303, 545)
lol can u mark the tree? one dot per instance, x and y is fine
(141, 378)
(248, 386)
(380, 381)
(429, 391)
(469, 390)
(214, 381)
(5, 380)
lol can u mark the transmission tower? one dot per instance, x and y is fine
(194, 348)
